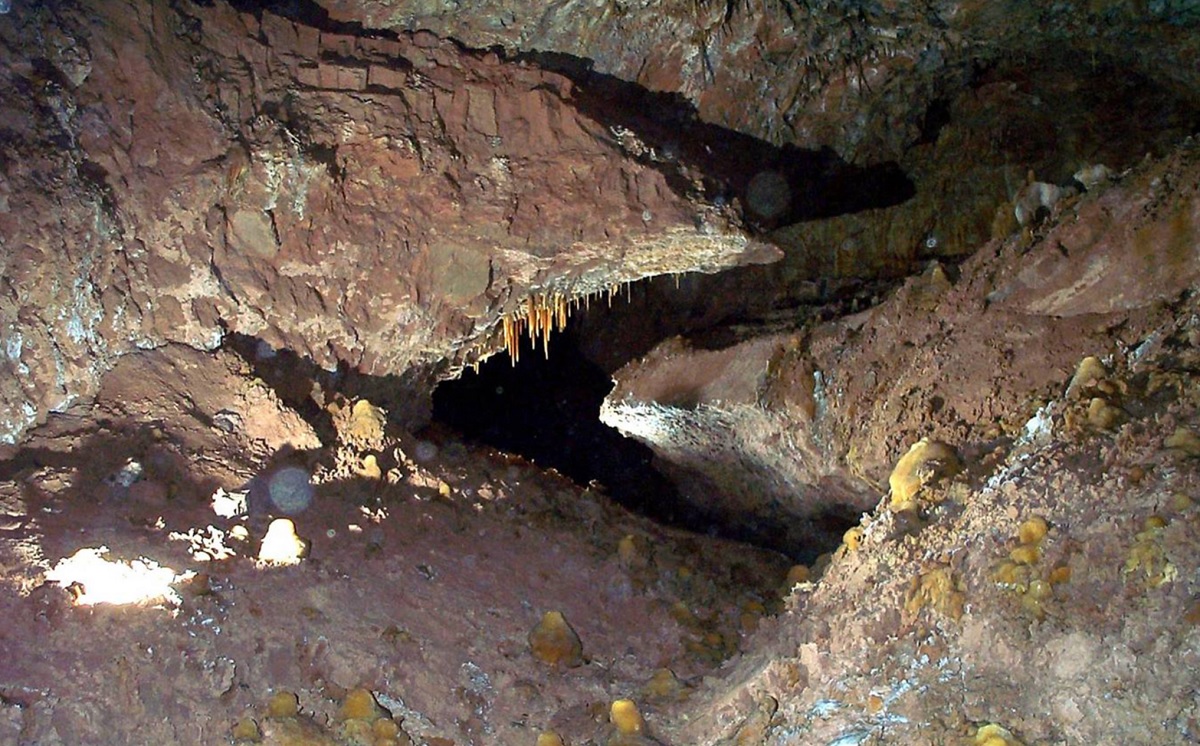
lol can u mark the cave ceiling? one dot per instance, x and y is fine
(390, 186)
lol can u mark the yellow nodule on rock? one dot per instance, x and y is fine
(553, 641)
(1025, 555)
(1033, 530)
(368, 468)
(995, 735)
(664, 684)
(1010, 573)
(853, 538)
(1185, 441)
(246, 729)
(628, 552)
(1181, 502)
(1090, 372)
(386, 728)
(366, 423)
(283, 704)
(549, 738)
(1102, 415)
(1059, 575)
(797, 574)
(937, 589)
(625, 716)
(680, 612)
(359, 704)
(925, 461)
(1153, 522)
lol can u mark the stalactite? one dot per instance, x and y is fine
(541, 315)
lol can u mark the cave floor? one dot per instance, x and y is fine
(421, 585)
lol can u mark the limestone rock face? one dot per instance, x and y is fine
(857, 77)
(174, 173)
(780, 429)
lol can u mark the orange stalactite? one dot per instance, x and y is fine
(545, 313)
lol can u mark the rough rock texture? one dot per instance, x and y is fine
(350, 185)
(779, 428)
(430, 562)
(421, 583)
(929, 622)
(174, 172)
(857, 77)
(364, 195)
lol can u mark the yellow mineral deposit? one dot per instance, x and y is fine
(853, 538)
(1032, 530)
(631, 552)
(1025, 555)
(555, 643)
(549, 738)
(365, 425)
(1089, 373)
(925, 461)
(359, 704)
(797, 574)
(283, 704)
(625, 717)
(368, 468)
(246, 730)
(995, 735)
(664, 685)
(1184, 441)
(937, 589)
(1104, 416)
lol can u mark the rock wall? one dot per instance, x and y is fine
(860, 78)
(776, 429)
(176, 172)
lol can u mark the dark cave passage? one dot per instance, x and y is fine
(547, 409)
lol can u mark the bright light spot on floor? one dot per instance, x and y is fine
(229, 504)
(207, 544)
(102, 581)
(281, 545)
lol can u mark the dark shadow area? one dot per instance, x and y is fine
(306, 387)
(306, 13)
(548, 410)
(776, 185)
(121, 464)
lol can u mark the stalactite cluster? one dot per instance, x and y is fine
(544, 313)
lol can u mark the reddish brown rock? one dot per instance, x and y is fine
(262, 178)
